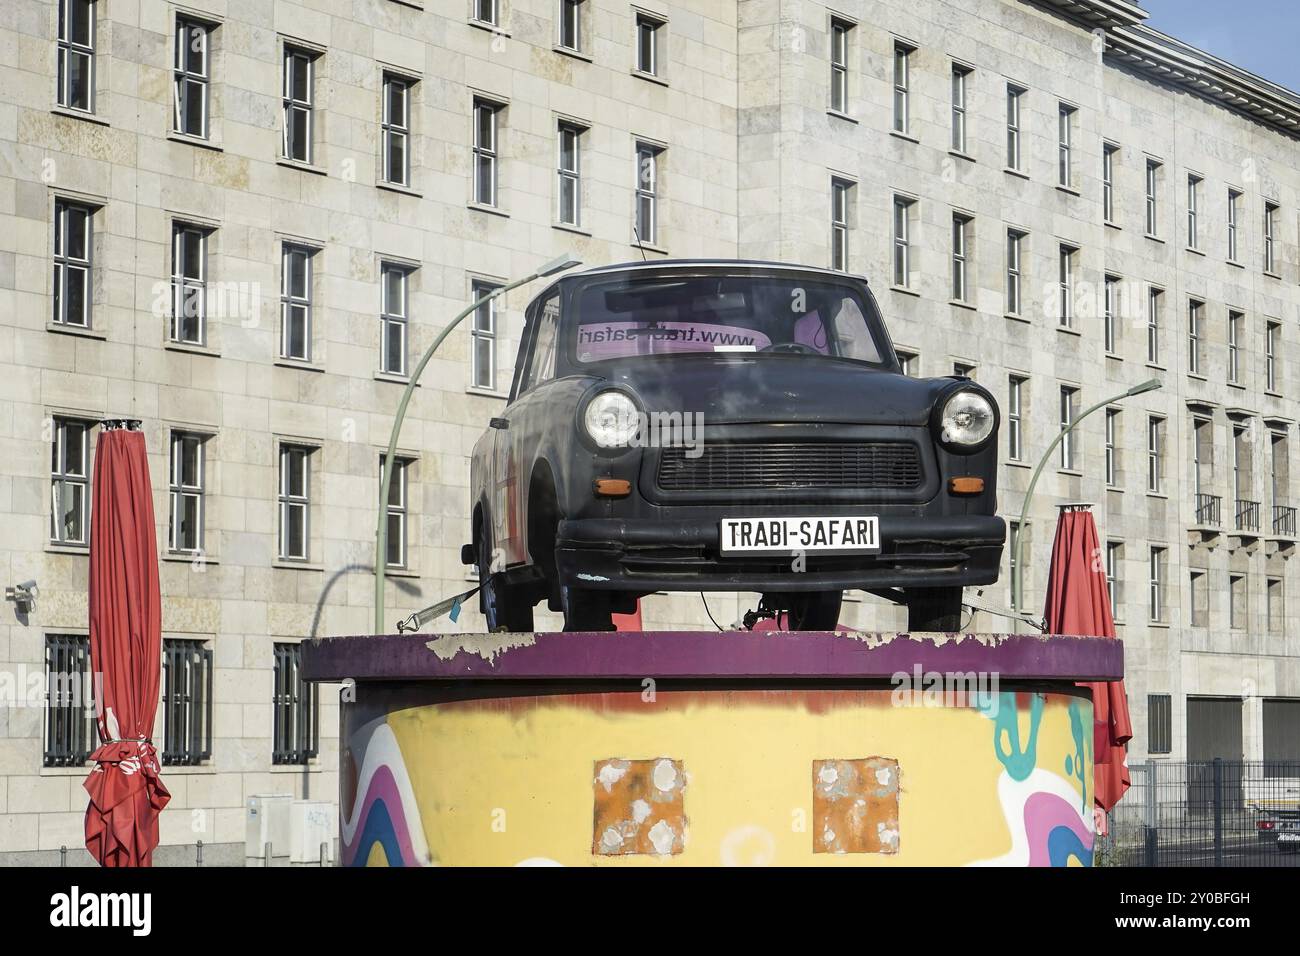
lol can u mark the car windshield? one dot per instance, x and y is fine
(781, 315)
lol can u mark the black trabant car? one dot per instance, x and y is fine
(728, 425)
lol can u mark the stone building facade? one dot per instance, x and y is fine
(333, 179)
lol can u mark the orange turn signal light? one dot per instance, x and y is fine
(612, 487)
(965, 486)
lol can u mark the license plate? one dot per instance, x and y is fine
(852, 534)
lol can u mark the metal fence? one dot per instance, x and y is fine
(1207, 813)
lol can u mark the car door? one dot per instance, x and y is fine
(526, 421)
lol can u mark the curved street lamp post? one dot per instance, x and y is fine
(558, 264)
(1017, 570)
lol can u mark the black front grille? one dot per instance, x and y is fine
(792, 465)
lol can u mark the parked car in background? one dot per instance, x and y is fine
(727, 425)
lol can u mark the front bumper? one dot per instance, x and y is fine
(683, 555)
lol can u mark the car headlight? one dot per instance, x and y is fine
(611, 419)
(967, 419)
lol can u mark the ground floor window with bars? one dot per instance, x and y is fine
(70, 733)
(186, 702)
(297, 732)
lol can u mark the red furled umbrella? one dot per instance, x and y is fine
(126, 794)
(1078, 602)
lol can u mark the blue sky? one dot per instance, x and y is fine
(1259, 35)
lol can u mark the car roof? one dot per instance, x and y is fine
(686, 265)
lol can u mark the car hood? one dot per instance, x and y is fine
(779, 388)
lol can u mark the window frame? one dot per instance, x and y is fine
(66, 48)
(1155, 310)
(1155, 455)
(1194, 211)
(1014, 302)
(1108, 153)
(486, 155)
(1110, 306)
(1234, 239)
(178, 490)
(570, 177)
(1015, 412)
(648, 41)
(292, 106)
(183, 77)
(565, 21)
(69, 731)
(1069, 412)
(399, 510)
(1065, 285)
(1272, 354)
(962, 226)
(902, 80)
(294, 742)
(1066, 116)
(1270, 237)
(647, 192)
(1195, 338)
(841, 202)
(484, 331)
(65, 263)
(840, 30)
(288, 501)
(188, 288)
(1153, 168)
(187, 695)
(62, 479)
(902, 241)
(393, 130)
(1157, 572)
(960, 95)
(398, 318)
(1014, 155)
(292, 304)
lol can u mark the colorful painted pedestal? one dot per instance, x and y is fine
(617, 749)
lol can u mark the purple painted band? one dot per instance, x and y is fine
(708, 654)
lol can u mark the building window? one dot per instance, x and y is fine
(1015, 271)
(1233, 197)
(77, 54)
(1193, 211)
(1108, 153)
(189, 284)
(486, 117)
(1015, 96)
(1276, 603)
(1155, 302)
(840, 30)
(295, 502)
(186, 702)
(902, 87)
(1270, 234)
(1112, 447)
(1272, 335)
(1110, 331)
(569, 173)
(1065, 289)
(70, 481)
(571, 12)
(298, 97)
(1065, 145)
(1016, 385)
(1013, 552)
(1153, 193)
(185, 484)
(647, 193)
(1157, 590)
(295, 302)
(1114, 579)
(961, 230)
(960, 81)
(1195, 341)
(486, 11)
(483, 338)
(394, 318)
(1155, 454)
(1199, 593)
(396, 131)
(397, 511)
(648, 29)
(1160, 713)
(72, 245)
(190, 78)
(841, 201)
(70, 733)
(963, 370)
(1237, 603)
(296, 730)
(1235, 321)
(903, 209)
(1069, 411)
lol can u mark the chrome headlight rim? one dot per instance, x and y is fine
(940, 417)
(633, 411)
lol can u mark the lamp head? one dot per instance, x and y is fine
(558, 264)
(1150, 385)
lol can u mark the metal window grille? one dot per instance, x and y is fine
(186, 701)
(70, 732)
(296, 729)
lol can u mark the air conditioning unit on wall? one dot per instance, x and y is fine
(267, 821)
(312, 823)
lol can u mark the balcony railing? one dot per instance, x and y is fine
(1247, 515)
(1284, 523)
(1208, 510)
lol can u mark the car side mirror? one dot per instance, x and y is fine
(501, 423)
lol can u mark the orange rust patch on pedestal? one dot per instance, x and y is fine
(640, 807)
(855, 805)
